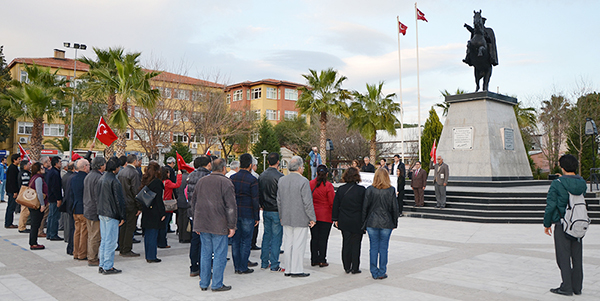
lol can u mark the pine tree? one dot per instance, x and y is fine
(182, 149)
(432, 131)
(267, 140)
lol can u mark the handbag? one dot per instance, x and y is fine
(146, 196)
(28, 198)
(170, 205)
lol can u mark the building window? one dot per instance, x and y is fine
(24, 77)
(254, 138)
(127, 135)
(141, 134)
(25, 128)
(180, 116)
(228, 99)
(57, 130)
(237, 95)
(180, 137)
(290, 115)
(257, 114)
(75, 83)
(138, 112)
(164, 115)
(197, 95)
(256, 93)
(198, 139)
(271, 115)
(165, 92)
(271, 93)
(291, 94)
(181, 94)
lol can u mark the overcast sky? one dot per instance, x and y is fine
(544, 47)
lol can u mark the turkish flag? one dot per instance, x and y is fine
(181, 163)
(402, 28)
(104, 133)
(23, 153)
(421, 15)
(433, 153)
(208, 152)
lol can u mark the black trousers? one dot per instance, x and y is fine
(126, 231)
(569, 257)
(351, 250)
(69, 231)
(36, 219)
(255, 236)
(319, 235)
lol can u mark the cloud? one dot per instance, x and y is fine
(359, 39)
(302, 60)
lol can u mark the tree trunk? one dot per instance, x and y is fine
(121, 143)
(323, 137)
(373, 149)
(36, 139)
(109, 150)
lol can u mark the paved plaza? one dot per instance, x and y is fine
(428, 260)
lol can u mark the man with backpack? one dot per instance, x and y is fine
(565, 208)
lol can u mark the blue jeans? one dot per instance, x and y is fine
(241, 244)
(150, 241)
(53, 216)
(271, 242)
(109, 233)
(2, 185)
(195, 246)
(162, 234)
(10, 210)
(217, 245)
(379, 240)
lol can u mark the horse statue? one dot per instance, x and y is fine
(481, 50)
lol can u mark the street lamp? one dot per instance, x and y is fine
(590, 129)
(264, 153)
(75, 46)
(159, 146)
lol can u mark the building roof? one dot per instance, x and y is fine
(52, 62)
(268, 81)
(169, 77)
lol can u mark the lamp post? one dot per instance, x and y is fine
(264, 153)
(75, 46)
(590, 129)
(159, 146)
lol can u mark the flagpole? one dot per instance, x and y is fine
(97, 127)
(418, 84)
(400, 81)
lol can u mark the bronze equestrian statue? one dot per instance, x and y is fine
(481, 50)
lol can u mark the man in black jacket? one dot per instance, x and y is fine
(130, 180)
(111, 212)
(67, 207)
(267, 197)
(55, 197)
(12, 189)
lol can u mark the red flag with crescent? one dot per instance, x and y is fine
(181, 165)
(421, 15)
(104, 133)
(433, 153)
(23, 153)
(402, 28)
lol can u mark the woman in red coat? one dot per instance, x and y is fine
(323, 195)
(168, 195)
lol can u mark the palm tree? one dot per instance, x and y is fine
(129, 83)
(444, 105)
(324, 95)
(372, 111)
(43, 98)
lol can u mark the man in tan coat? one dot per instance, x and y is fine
(440, 180)
(418, 184)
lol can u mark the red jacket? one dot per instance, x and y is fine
(322, 200)
(169, 186)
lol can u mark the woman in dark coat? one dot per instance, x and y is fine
(152, 218)
(380, 215)
(347, 216)
(38, 183)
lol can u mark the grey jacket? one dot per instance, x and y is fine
(215, 210)
(130, 180)
(192, 180)
(294, 201)
(90, 195)
(440, 173)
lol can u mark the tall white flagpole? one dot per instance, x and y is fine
(400, 94)
(418, 86)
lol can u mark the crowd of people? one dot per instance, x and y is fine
(98, 204)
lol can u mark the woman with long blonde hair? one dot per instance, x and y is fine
(380, 217)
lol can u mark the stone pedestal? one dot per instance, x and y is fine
(481, 140)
